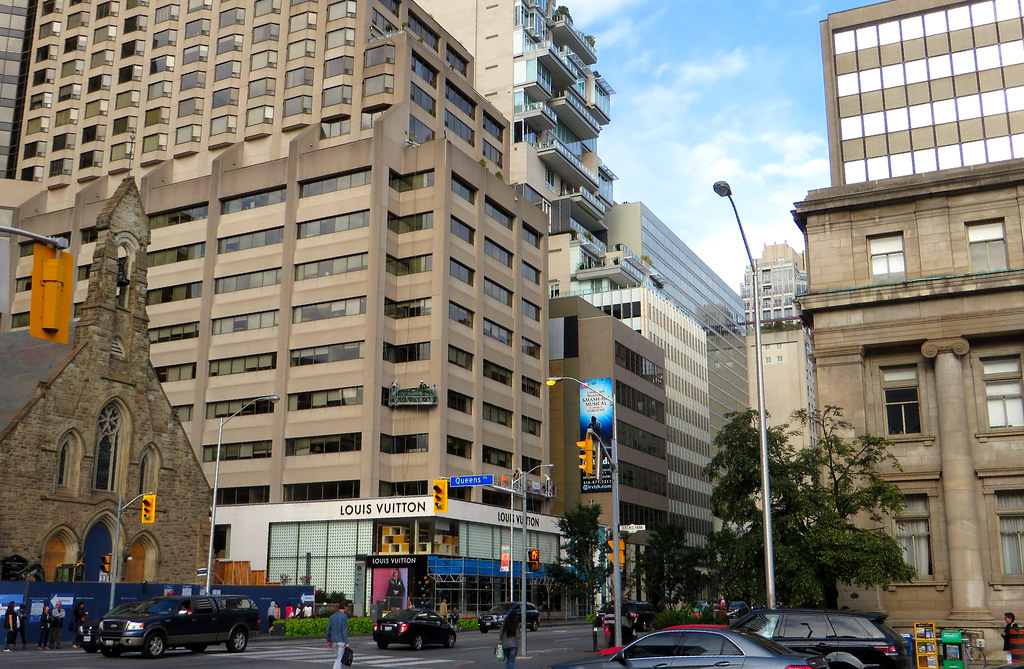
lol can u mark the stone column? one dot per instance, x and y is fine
(963, 522)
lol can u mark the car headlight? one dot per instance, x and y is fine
(134, 626)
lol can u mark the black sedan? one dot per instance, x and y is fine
(416, 627)
(697, 648)
(493, 618)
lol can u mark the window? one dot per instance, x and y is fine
(497, 332)
(887, 263)
(532, 426)
(245, 322)
(318, 355)
(336, 95)
(330, 267)
(496, 456)
(300, 76)
(258, 115)
(498, 292)
(460, 99)
(459, 357)
(1003, 392)
(244, 450)
(253, 200)
(426, 35)
(404, 443)
(1010, 509)
(247, 406)
(463, 189)
(230, 284)
(414, 181)
(531, 273)
(461, 230)
(531, 386)
(265, 86)
(108, 437)
(986, 247)
(263, 7)
(402, 488)
(531, 236)
(178, 216)
(165, 38)
(100, 82)
(188, 133)
(460, 402)
(530, 348)
(410, 223)
(266, 32)
(410, 265)
(104, 34)
(332, 309)
(176, 254)
(321, 399)
(167, 294)
(460, 314)
(406, 308)
(398, 353)
(461, 272)
(463, 448)
(263, 59)
(166, 13)
(381, 83)
(458, 62)
(496, 251)
(197, 27)
(330, 443)
(498, 373)
(341, 10)
(913, 535)
(385, 53)
(222, 124)
(340, 223)
(159, 89)
(303, 48)
(232, 17)
(459, 127)
(337, 182)
(424, 70)
(338, 66)
(531, 310)
(224, 97)
(300, 104)
(232, 69)
(181, 372)
(229, 43)
(423, 99)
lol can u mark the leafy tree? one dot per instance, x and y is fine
(828, 505)
(669, 566)
(577, 573)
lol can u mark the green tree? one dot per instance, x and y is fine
(669, 566)
(829, 502)
(577, 573)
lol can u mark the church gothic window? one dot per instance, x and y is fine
(108, 434)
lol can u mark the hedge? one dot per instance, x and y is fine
(318, 626)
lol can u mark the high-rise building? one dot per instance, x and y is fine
(914, 290)
(329, 225)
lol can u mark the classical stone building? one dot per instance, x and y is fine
(85, 422)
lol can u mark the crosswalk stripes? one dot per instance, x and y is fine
(323, 656)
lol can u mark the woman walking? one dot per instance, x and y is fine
(272, 614)
(510, 635)
(11, 625)
(78, 616)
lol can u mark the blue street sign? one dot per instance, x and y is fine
(467, 481)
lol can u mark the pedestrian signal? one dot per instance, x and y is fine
(533, 559)
(586, 456)
(149, 508)
(105, 566)
(440, 495)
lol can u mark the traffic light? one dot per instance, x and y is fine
(586, 464)
(622, 552)
(105, 567)
(533, 559)
(149, 508)
(440, 495)
(53, 274)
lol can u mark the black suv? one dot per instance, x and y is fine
(492, 619)
(641, 613)
(847, 639)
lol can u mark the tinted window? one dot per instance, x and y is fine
(707, 643)
(854, 627)
(203, 605)
(654, 645)
(763, 624)
(434, 618)
(805, 626)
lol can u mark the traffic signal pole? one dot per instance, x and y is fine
(114, 561)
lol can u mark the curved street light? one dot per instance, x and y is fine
(216, 480)
(724, 190)
(616, 549)
(522, 605)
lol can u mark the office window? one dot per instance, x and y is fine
(244, 322)
(530, 348)
(165, 38)
(166, 13)
(496, 456)
(496, 372)
(230, 284)
(531, 310)
(409, 265)
(461, 272)
(424, 70)
(176, 254)
(1010, 511)
(338, 66)
(265, 33)
(333, 309)
(222, 124)
(231, 69)
(303, 21)
(531, 386)
(300, 76)
(190, 106)
(460, 357)
(462, 101)
(167, 294)
(262, 198)
(986, 247)
(460, 402)
(188, 133)
(102, 58)
(404, 443)
(154, 142)
(302, 48)
(385, 53)
(498, 252)
(250, 240)
(224, 97)
(263, 7)
(330, 224)
(232, 17)
(498, 292)
(1003, 392)
(99, 82)
(460, 314)
(459, 128)
(497, 414)
(531, 273)
(337, 95)
(263, 59)
(458, 62)
(75, 43)
(161, 64)
(300, 104)
(61, 167)
(531, 236)
(243, 407)
(41, 101)
(352, 179)
(247, 450)
(399, 353)
(159, 89)
(414, 181)
(78, 20)
(105, 9)
(461, 230)
(330, 443)
(182, 372)
(381, 83)
(319, 355)
(531, 426)
(463, 189)
(264, 86)
(913, 535)
(229, 43)
(497, 332)
(321, 399)
(258, 115)
(406, 308)
(457, 446)
(331, 266)
(902, 407)
(887, 262)
(72, 68)
(197, 27)
(410, 223)
(135, 23)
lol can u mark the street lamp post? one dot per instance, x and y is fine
(616, 549)
(115, 551)
(522, 584)
(723, 190)
(216, 481)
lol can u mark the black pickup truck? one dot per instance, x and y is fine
(154, 625)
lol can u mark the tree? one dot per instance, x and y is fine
(829, 501)
(577, 572)
(669, 566)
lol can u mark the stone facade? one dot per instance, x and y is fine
(918, 336)
(89, 421)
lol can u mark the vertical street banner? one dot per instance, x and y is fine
(597, 423)
(506, 559)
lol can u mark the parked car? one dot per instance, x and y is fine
(416, 627)
(737, 609)
(155, 625)
(614, 649)
(641, 613)
(492, 619)
(701, 647)
(847, 639)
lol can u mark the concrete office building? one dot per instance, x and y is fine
(786, 341)
(329, 225)
(914, 289)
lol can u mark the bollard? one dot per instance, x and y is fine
(1017, 644)
(595, 637)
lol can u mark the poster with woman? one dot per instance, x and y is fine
(389, 587)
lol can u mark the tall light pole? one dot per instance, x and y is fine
(216, 481)
(616, 549)
(723, 190)
(115, 551)
(522, 584)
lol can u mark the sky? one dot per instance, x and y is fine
(706, 91)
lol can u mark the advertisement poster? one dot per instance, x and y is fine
(506, 558)
(390, 587)
(596, 422)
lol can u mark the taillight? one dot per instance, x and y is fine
(888, 650)
(375, 627)
(799, 666)
(402, 628)
(259, 619)
(634, 616)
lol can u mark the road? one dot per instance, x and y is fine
(473, 650)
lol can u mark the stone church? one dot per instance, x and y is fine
(83, 422)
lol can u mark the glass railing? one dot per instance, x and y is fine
(571, 95)
(586, 236)
(535, 106)
(555, 143)
(588, 196)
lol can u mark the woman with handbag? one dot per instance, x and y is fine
(509, 638)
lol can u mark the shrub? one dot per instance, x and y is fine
(318, 626)
(469, 624)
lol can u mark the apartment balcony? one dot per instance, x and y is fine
(586, 205)
(601, 116)
(563, 33)
(538, 115)
(557, 155)
(562, 73)
(586, 238)
(536, 87)
(574, 113)
(618, 273)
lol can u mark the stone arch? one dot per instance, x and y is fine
(59, 547)
(149, 469)
(99, 541)
(68, 461)
(127, 248)
(111, 447)
(141, 559)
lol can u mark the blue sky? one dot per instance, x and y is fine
(714, 90)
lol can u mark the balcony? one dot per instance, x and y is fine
(574, 113)
(618, 273)
(558, 156)
(538, 115)
(563, 33)
(587, 240)
(536, 87)
(562, 73)
(586, 205)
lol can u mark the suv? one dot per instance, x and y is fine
(641, 613)
(493, 619)
(847, 639)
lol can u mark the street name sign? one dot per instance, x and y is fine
(467, 481)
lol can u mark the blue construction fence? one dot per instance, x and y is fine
(97, 597)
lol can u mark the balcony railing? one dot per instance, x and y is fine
(563, 150)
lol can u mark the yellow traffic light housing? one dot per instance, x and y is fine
(622, 552)
(586, 456)
(533, 560)
(440, 495)
(105, 567)
(149, 508)
(53, 274)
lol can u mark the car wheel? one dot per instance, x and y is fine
(535, 626)
(90, 649)
(383, 645)
(197, 647)
(110, 652)
(417, 642)
(238, 641)
(483, 630)
(154, 645)
(450, 641)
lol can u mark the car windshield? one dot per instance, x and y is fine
(501, 608)
(122, 609)
(158, 606)
(401, 614)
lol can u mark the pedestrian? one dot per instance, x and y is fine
(1008, 633)
(288, 610)
(22, 624)
(337, 633)
(272, 612)
(56, 624)
(11, 625)
(509, 637)
(44, 627)
(307, 610)
(78, 616)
